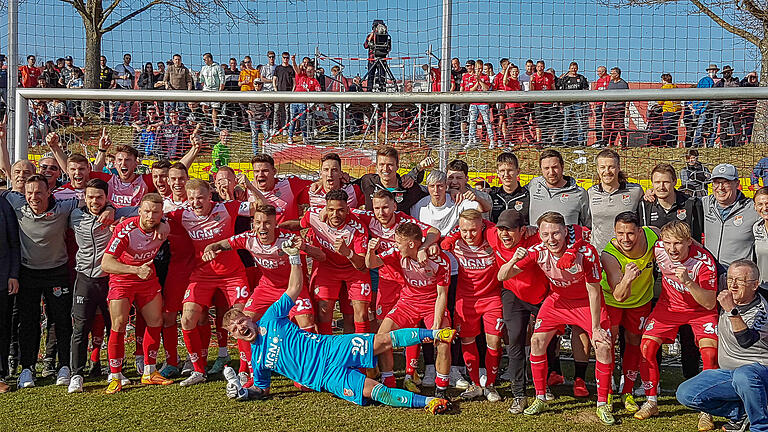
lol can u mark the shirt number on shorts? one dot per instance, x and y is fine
(365, 289)
(709, 328)
(499, 324)
(242, 292)
(303, 304)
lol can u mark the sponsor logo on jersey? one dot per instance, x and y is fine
(475, 263)
(273, 352)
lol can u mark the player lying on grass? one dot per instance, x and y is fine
(322, 361)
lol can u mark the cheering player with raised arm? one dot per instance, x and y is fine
(208, 222)
(576, 299)
(322, 362)
(424, 296)
(128, 260)
(478, 300)
(342, 237)
(688, 296)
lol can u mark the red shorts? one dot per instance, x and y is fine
(253, 274)
(328, 284)
(382, 309)
(262, 299)
(473, 315)
(234, 289)
(389, 292)
(664, 324)
(557, 312)
(408, 315)
(632, 319)
(140, 294)
(176, 284)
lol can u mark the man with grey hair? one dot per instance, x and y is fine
(739, 388)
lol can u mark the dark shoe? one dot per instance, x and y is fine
(49, 367)
(95, 370)
(737, 425)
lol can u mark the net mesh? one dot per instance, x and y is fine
(644, 41)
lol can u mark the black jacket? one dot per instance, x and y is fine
(10, 247)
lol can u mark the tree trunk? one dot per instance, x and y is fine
(92, 54)
(760, 128)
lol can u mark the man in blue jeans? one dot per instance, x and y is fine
(738, 390)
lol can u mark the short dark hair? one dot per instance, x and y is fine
(337, 195)
(162, 164)
(267, 209)
(208, 55)
(617, 69)
(459, 165)
(153, 197)
(263, 158)
(77, 158)
(664, 168)
(409, 230)
(98, 184)
(628, 217)
(383, 193)
(331, 156)
(551, 153)
(127, 149)
(388, 152)
(507, 157)
(762, 191)
(37, 178)
(692, 152)
(180, 166)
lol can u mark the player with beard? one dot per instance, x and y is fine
(424, 296)
(342, 237)
(322, 362)
(283, 194)
(127, 187)
(688, 296)
(208, 222)
(331, 179)
(128, 260)
(576, 299)
(478, 300)
(264, 242)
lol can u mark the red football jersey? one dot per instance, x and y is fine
(530, 286)
(286, 197)
(701, 269)
(269, 258)
(123, 194)
(544, 82)
(204, 230)
(317, 199)
(421, 280)
(324, 236)
(131, 245)
(478, 270)
(571, 283)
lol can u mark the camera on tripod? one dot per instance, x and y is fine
(381, 44)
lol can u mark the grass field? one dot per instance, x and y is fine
(206, 408)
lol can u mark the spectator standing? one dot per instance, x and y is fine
(704, 111)
(728, 111)
(177, 77)
(748, 108)
(258, 120)
(694, 177)
(267, 71)
(516, 114)
(759, 172)
(67, 72)
(544, 113)
(616, 112)
(3, 80)
(457, 119)
(148, 80)
(77, 81)
(339, 83)
(282, 80)
(124, 79)
(211, 79)
(51, 75)
(670, 114)
(106, 81)
(172, 135)
(305, 82)
(9, 282)
(575, 115)
(248, 75)
(474, 81)
(29, 73)
(600, 84)
(760, 232)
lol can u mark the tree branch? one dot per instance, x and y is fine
(131, 15)
(80, 7)
(108, 11)
(754, 10)
(750, 37)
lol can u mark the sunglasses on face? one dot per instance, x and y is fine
(49, 167)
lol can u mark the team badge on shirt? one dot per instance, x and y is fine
(538, 324)
(681, 214)
(262, 331)
(518, 205)
(399, 197)
(564, 198)
(57, 291)
(349, 392)
(738, 220)
(626, 199)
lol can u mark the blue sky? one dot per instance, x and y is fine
(643, 41)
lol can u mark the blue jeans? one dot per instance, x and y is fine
(256, 127)
(296, 109)
(730, 394)
(474, 112)
(705, 125)
(575, 123)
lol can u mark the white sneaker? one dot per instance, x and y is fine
(243, 377)
(194, 378)
(456, 379)
(26, 379)
(139, 364)
(62, 378)
(123, 380)
(290, 140)
(674, 348)
(429, 376)
(188, 368)
(75, 384)
(472, 392)
(491, 394)
(483, 377)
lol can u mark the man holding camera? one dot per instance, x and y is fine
(379, 44)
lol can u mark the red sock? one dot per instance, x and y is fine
(630, 366)
(649, 370)
(470, 360)
(192, 341)
(441, 380)
(362, 327)
(325, 328)
(603, 372)
(205, 339)
(539, 373)
(171, 343)
(390, 381)
(97, 336)
(116, 351)
(245, 360)
(412, 359)
(245, 352)
(140, 327)
(221, 332)
(492, 357)
(151, 344)
(708, 357)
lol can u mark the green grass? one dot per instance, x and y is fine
(206, 408)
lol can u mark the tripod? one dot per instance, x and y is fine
(379, 72)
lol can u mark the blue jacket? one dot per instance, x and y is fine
(760, 171)
(10, 247)
(700, 106)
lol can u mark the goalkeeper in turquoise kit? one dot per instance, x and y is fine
(322, 362)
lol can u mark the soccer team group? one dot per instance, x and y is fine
(409, 266)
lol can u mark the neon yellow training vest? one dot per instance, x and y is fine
(642, 287)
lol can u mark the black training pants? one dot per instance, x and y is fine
(90, 296)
